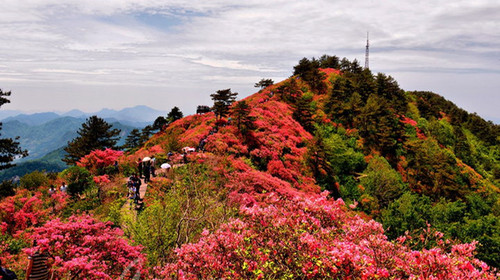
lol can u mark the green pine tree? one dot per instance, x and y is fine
(222, 100)
(95, 134)
(174, 114)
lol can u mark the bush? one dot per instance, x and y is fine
(79, 179)
(34, 180)
(7, 188)
(381, 181)
(98, 160)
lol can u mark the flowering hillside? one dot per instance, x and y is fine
(334, 173)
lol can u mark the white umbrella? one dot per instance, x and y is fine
(146, 159)
(165, 166)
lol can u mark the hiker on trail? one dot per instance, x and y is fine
(137, 185)
(38, 269)
(6, 274)
(147, 173)
(153, 168)
(131, 184)
(184, 157)
(140, 166)
(63, 187)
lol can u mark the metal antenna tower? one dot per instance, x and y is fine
(367, 53)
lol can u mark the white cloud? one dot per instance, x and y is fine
(178, 46)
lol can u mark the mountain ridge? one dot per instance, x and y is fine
(138, 116)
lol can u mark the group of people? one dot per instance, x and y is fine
(62, 188)
(134, 185)
(146, 168)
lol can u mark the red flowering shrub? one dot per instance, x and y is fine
(101, 180)
(97, 160)
(84, 248)
(314, 237)
(21, 211)
(276, 168)
(194, 128)
(226, 142)
(412, 123)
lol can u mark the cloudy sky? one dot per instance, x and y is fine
(93, 54)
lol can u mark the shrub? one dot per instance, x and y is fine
(84, 248)
(98, 160)
(79, 179)
(315, 237)
(7, 188)
(34, 180)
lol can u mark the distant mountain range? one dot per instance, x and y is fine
(45, 135)
(138, 116)
(41, 139)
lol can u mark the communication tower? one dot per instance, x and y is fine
(367, 53)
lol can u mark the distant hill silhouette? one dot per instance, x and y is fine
(138, 116)
(33, 119)
(51, 162)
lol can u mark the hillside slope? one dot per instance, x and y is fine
(363, 139)
(320, 176)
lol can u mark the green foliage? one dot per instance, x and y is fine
(146, 133)
(308, 70)
(381, 181)
(87, 201)
(327, 61)
(7, 188)
(128, 168)
(432, 106)
(410, 212)
(443, 132)
(34, 180)
(380, 127)
(389, 89)
(263, 83)
(486, 230)
(467, 220)
(179, 212)
(160, 123)
(303, 112)
(174, 114)
(222, 100)
(343, 102)
(78, 180)
(333, 157)
(95, 134)
(169, 141)
(133, 140)
(241, 115)
(114, 211)
(434, 170)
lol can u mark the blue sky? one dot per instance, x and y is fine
(60, 55)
